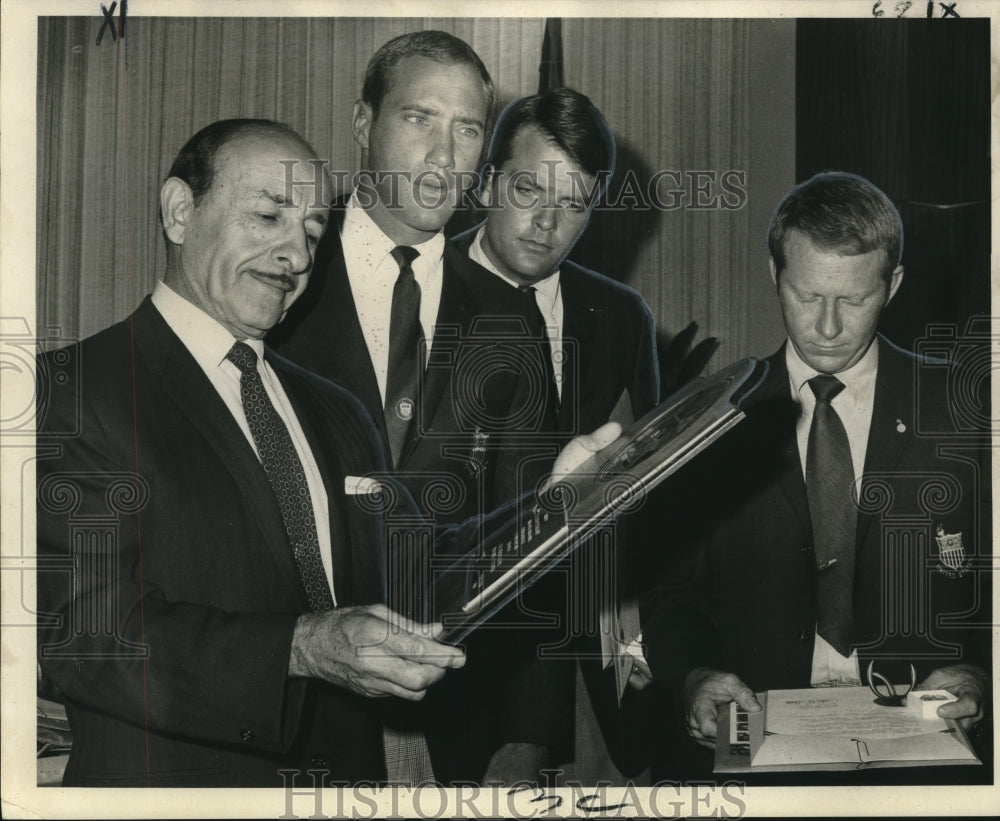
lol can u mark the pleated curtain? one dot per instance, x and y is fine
(112, 117)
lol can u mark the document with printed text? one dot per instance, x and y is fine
(836, 728)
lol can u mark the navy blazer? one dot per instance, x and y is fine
(736, 567)
(167, 590)
(609, 345)
(610, 369)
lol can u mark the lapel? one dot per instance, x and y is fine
(458, 307)
(893, 403)
(585, 329)
(350, 363)
(185, 383)
(779, 430)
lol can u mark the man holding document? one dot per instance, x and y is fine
(843, 524)
(212, 588)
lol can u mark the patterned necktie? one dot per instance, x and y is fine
(285, 474)
(833, 512)
(405, 350)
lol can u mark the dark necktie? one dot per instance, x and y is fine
(405, 352)
(407, 759)
(539, 329)
(285, 474)
(833, 512)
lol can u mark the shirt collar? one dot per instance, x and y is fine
(549, 287)
(364, 242)
(207, 340)
(858, 380)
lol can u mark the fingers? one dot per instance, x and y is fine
(413, 648)
(578, 450)
(703, 720)
(394, 635)
(390, 676)
(371, 651)
(404, 664)
(641, 676)
(708, 692)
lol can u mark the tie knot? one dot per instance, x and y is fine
(243, 357)
(527, 289)
(404, 256)
(825, 387)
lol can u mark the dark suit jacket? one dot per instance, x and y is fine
(171, 644)
(609, 343)
(485, 378)
(610, 369)
(609, 338)
(737, 579)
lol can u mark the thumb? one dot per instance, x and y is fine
(578, 450)
(602, 437)
(964, 707)
(745, 697)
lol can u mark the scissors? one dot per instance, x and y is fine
(890, 698)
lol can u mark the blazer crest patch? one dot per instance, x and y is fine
(952, 561)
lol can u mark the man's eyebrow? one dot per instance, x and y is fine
(282, 201)
(470, 121)
(277, 199)
(423, 108)
(420, 108)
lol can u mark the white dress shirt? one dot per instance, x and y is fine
(209, 342)
(548, 297)
(372, 273)
(854, 407)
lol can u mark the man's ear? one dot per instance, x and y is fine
(176, 206)
(361, 122)
(774, 271)
(486, 184)
(895, 280)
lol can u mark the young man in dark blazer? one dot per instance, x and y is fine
(846, 520)
(478, 400)
(551, 157)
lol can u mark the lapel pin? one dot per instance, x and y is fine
(404, 409)
(477, 456)
(900, 427)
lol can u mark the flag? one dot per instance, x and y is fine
(550, 69)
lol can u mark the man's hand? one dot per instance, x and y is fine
(969, 683)
(371, 651)
(705, 691)
(641, 676)
(581, 448)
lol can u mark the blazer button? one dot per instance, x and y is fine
(807, 548)
(247, 735)
(805, 635)
(319, 761)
